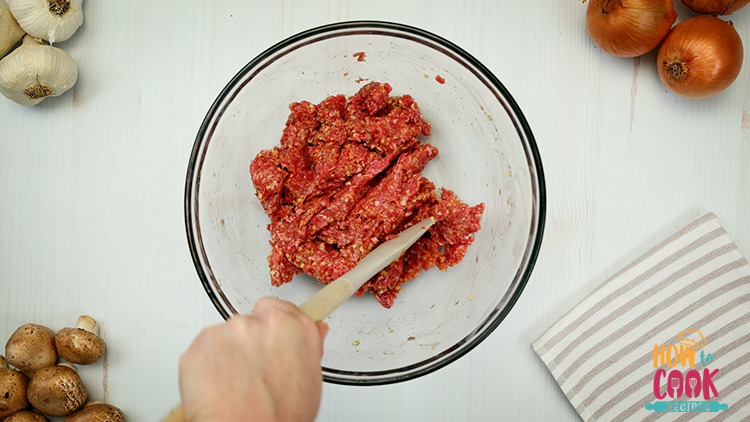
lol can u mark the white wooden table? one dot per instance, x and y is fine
(92, 186)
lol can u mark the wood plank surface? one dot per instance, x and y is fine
(92, 186)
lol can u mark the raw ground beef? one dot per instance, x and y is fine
(346, 177)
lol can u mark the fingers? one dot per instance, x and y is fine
(267, 303)
(272, 354)
(265, 306)
(322, 330)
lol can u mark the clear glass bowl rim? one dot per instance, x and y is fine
(414, 34)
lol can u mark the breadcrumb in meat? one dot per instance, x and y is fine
(347, 176)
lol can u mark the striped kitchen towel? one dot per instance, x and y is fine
(666, 338)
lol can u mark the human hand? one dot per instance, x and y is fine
(261, 367)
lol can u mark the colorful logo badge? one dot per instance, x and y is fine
(687, 382)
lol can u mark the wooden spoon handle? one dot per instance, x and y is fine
(327, 299)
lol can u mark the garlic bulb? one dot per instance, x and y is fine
(51, 20)
(10, 31)
(35, 71)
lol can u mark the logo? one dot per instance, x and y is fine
(686, 382)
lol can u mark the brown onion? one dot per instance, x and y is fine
(700, 57)
(629, 28)
(715, 7)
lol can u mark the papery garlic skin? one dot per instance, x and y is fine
(51, 20)
(35, 71)
(10, 30)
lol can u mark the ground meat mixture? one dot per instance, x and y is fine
(348, 176)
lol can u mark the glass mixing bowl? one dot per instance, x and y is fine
(487, 154)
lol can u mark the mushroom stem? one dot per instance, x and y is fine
(87, 323)
(3, 364)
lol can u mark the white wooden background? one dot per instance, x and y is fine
(91, 186)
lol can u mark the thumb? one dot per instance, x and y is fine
(322, 331)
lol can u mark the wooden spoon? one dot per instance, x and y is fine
(327, 299)
(321, 304)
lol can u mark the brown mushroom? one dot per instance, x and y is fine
(12, 390)
(30, 348)
(97, 411)
(57, 390)
(26, 416)
(82, 344)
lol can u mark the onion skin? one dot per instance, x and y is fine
(629, 28)
(700, 57)
(715, 7)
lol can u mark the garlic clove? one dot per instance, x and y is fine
(35, 71)
(10, 30)
(51, 20)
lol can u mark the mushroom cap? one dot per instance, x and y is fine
(13, 386)
(30, 348)
(96, 411)
(56, 391)
(26, 416)
(79, 346)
